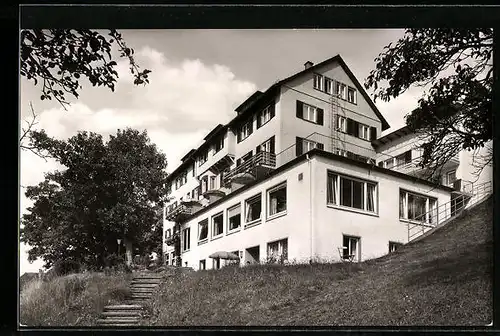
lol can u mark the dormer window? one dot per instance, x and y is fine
(203, 158)
(219, 144)
(318, 82)
(245, 130)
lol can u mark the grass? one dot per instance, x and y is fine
(72, 300)
(444, 279)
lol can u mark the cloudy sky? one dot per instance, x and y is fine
(198, 78)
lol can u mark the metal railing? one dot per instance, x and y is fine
(181, 210)
(260, 159)
(448, 210)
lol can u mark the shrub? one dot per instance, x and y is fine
(64, 267)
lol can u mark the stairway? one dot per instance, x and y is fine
(142, 287)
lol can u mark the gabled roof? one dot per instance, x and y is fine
(213, 132)
(337, 58)
(249, 100)
(185, 157)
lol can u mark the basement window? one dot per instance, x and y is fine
(277, 251)
(351, 248)
(393, 246)
(416, 207)
(276, 200)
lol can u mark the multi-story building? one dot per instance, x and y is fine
(299, 173)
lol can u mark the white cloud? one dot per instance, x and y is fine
(180, 105)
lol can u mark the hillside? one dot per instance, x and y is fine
(444, 279)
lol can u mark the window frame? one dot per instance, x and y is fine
(318, 79)
(229, 230)
(204, 261)
(357, 255)
(447, 176)
(219, 214)
(430, 202)
(341, 123)
(314, 113)
(362, 127)
(183, 237)
(284, 249)
(265, 112)
(278, 187)
(203, 158)
(332, 85)
(336, 199)
(394, 245)
(219, 141)
(354, 95)
(342, 94)
(256, 220)
(247, 126)
(204, 240)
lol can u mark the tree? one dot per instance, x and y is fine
(58, 58)
(108, 191)
(456, 111)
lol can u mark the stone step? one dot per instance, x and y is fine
(121, 313)
(117, 321)
(143, 289)
(121, 318)
(145, 282)
(123, 307)
(143, 285)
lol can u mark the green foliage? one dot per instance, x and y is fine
(58, 58)
(456, 112)
(107, 191)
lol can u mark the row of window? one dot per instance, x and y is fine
(263, 117)
(250, 214)
(397, 161)
(328, 85)
(217, 146)
(277, 251)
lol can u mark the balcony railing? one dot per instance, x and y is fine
(257, 166)
(183, 211)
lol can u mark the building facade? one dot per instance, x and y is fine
(301, 173)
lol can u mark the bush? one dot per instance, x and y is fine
(64, 267)
(113, 260)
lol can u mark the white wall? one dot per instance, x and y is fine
(375, 230)
(294, 225)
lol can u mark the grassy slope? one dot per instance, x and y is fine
(444, 279)
(72, 300)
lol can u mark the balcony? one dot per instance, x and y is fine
(183, 211)
(254, 168)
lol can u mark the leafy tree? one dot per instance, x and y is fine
(108, 191)
(455, 113)
(57, 59)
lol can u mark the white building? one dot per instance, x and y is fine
(300, 174)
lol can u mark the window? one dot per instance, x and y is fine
(167, 259)
(265, 115)
(277, 251)
(204, 184)
(341, 152)
(364, 132)
(308, 145)
(389, 163)
(276, 200)
(351, 248)
(328, 85)
(253, 208)
(351, 95)
(245, 130)
(217, 225)
(168, 233)
(202, 264)
(244, 158)
(417, 207)
(393, 246)
(219, 144)
(234, 217)
(267, 146)
(403, 159)
(212, 183)
(203, 230)
(309, 113)
(352, 193)
(186, 239)
(203, 157)
(341, 123)
(341, 90)
(172, 258)
(451, 176)
(318, 82)
(303, 145)
(216, 263)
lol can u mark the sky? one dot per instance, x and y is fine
(198, 78)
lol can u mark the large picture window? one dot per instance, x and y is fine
(276, 197)
(415, 207)
(351, 192)
(253, 209)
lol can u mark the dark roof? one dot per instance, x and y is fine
(213, 132)
(405, 130)
(249, 100)
(185, 157)
(329, 156)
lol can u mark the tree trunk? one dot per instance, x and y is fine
(128, 252)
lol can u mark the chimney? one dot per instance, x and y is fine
(308, 64)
